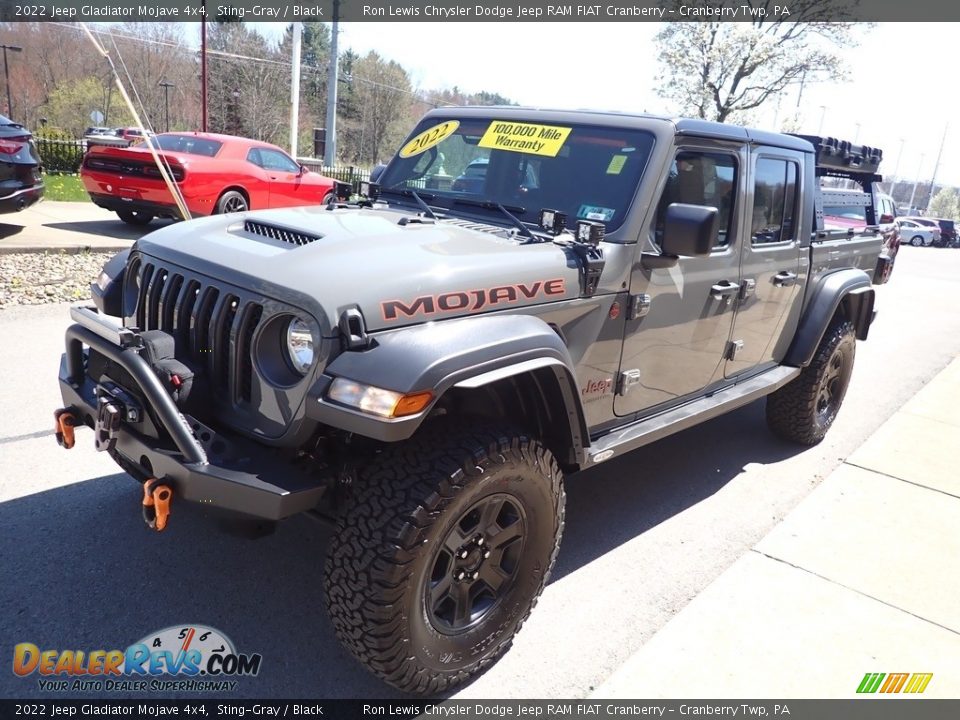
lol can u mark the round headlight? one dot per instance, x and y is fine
(300, 345)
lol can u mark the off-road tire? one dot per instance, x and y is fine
(232, 201)
(803, 410)
(135, 217)
(403, 505)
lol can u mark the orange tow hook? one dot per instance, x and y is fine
(64, 422)
(156, 504)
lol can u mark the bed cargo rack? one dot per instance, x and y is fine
(841, 158)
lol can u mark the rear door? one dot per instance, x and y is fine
(675, 348)
(770, 261)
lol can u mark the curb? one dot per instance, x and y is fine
(63, 249)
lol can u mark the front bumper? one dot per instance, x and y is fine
(199, 463)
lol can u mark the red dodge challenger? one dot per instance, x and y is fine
(215, 173)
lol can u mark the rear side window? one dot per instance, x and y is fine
(701, 178)
(188, 144)
(774, 201)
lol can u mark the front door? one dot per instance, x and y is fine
(287, 188)
(676, 347)
(770, 262)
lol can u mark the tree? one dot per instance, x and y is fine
(248, 84)
(68, 107)
(378, 111)
(945, 204)
(722, 70)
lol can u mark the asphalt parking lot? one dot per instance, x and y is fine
(645, 533)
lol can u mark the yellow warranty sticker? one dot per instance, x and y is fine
(525, 138)
(428, 138)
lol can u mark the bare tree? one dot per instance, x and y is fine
(722, 70)
(381, 99)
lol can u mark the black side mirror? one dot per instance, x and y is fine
(689, 230)
(377, 172)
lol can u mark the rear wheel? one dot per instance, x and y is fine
(440, 555)
(232, 201)
(329, 198)
(134, 217)
(803, 410)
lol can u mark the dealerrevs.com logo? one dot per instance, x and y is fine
(178, 658)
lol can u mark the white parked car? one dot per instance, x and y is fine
(916, 232)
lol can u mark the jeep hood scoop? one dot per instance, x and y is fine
(326, 261)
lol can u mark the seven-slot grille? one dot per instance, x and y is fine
(214, 327)
(294, 237)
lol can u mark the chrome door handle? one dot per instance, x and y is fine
(784, 279)
(724, 289)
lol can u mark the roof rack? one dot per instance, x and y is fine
(843, 158)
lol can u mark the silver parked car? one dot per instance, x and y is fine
(918, 231)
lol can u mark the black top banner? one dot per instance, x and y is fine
(596, 708)
(287, 11)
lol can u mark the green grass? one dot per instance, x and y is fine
(64, 187)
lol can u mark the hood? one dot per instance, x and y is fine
(394, 268)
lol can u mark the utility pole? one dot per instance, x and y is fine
(295, 89)
(936, 167)
(915, 182)
(896, 169)
(6, 74)
(823, 114)
(166, 102)
(203, 65)
(330, 153)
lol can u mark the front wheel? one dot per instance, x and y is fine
(441, 553)
(804, 409)
(134, 217)
(916, 241)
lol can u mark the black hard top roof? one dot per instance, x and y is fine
(683, 126)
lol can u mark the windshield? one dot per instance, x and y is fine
(589, 173)
(187, 144)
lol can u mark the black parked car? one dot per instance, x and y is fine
(20, 182)
(948, 232)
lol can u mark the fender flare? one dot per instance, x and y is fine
(467, 353)
(850, 286)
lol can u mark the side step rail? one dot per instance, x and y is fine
(648, 430)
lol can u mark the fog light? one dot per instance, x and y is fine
(377, 401)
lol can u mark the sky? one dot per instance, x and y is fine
(899, 93)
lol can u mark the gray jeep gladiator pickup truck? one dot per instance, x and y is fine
(520, 294)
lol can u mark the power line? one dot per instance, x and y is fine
(430, 100)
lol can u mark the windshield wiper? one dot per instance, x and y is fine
(505, 210)
(416, 196)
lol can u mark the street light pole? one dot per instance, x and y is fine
(6, 75)
(896, 169)
(823, 114)
(915, 183)
(936, 166)
(166, 102)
